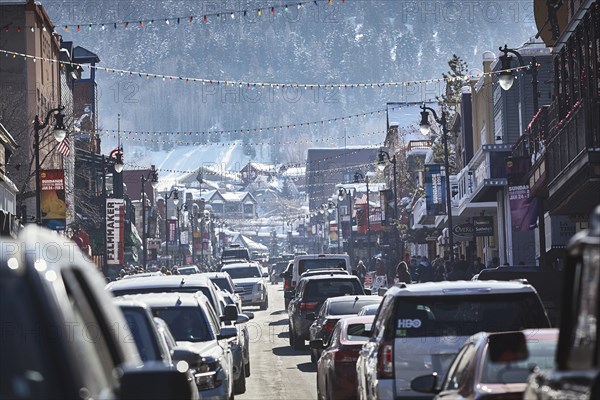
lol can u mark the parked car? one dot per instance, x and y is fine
(336, 369)
(576, 370)
(480, 372)
(195, 327)
(172, 283)
(251, 279)
(419, 328)
(49, 310)
(224, 282)
(370, 309)
(188, 270)
(288, 290)
(307, 262)
(334, 309)
(276, 270)
(310, 295)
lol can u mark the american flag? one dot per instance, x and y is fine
(64, 147)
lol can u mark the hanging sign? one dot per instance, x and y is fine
(115, 227)
(52, 199)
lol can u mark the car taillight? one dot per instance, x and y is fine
(385, 360)
(329, 325)
(308, 306)
(346, 355)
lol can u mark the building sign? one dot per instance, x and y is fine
(523, 209)
(52, 199)
(483, 226)
(559, 230)
(115, 231)
(172, 232)
(463, 232)
(435, 190)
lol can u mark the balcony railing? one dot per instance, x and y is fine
(570, 137)
(531, 144)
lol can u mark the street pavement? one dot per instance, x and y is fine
(277, 370)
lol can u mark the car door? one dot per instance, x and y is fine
(459, 379)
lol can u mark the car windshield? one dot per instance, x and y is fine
(426, 316)
(320, 263)
(356, 332)
(331, 288)
(350, 306)
(187, 324)
(243, 272)
(541, 355)
(241, 254)
(142, 335)
(223, 284)
(188, 270)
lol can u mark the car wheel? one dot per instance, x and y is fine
(247, 369)
(239, 386)
(265, 304)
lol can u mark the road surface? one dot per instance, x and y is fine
(277, 370)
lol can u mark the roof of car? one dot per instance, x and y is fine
(213, 275)
(342, 299)
(245, 264)
(127, 302)
(363, 319)
(530, 335)
(160, 281)
(328, 277)
(167, 299)
(459, 288)
(335, 271)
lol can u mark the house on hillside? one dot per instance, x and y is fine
(252, 170)
(232, 205)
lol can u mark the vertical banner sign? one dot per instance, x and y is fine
(115, 231)
(172, 232)
(435, 190)
(52, 199)
(523, 209)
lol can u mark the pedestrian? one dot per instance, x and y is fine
(402, 273)
(361, 271)
(379, 267)
(459, 271)
(425, 271)
(412, 267)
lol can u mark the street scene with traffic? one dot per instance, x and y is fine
(322, 199)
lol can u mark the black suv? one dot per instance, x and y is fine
(310, 295)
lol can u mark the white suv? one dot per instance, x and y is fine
(310, 262)
(249, 277)
(419, 328)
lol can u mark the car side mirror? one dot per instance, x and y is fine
(316, 344)
(193, 359)
(265, 275)
(230, 313)
(227, 332)
(368, 291)
(249, 314)
(425, 383)
(155, 381)
(311, 316)
(507, 347)
(242, 319)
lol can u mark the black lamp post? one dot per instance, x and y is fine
(358, 177)
(175, 194)
(342, 193)
(153, 177)
(506, 79)
(381, 165)
(425, 129)
(60, 133)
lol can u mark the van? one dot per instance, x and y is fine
(303, 263)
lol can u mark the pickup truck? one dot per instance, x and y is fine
(62, 336)
(576, 372)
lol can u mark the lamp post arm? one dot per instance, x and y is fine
(39, 126)
(506, 50)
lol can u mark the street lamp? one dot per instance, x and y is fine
(506, 79)
(153, 177)
(60, 132)
(425, 128)
(342, 194)
(381, 166)
(358, 177)
(175, 194)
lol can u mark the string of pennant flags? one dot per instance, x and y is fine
(190, 20)
(255, 84)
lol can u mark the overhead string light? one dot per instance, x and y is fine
(275, 85)
(274, 129)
